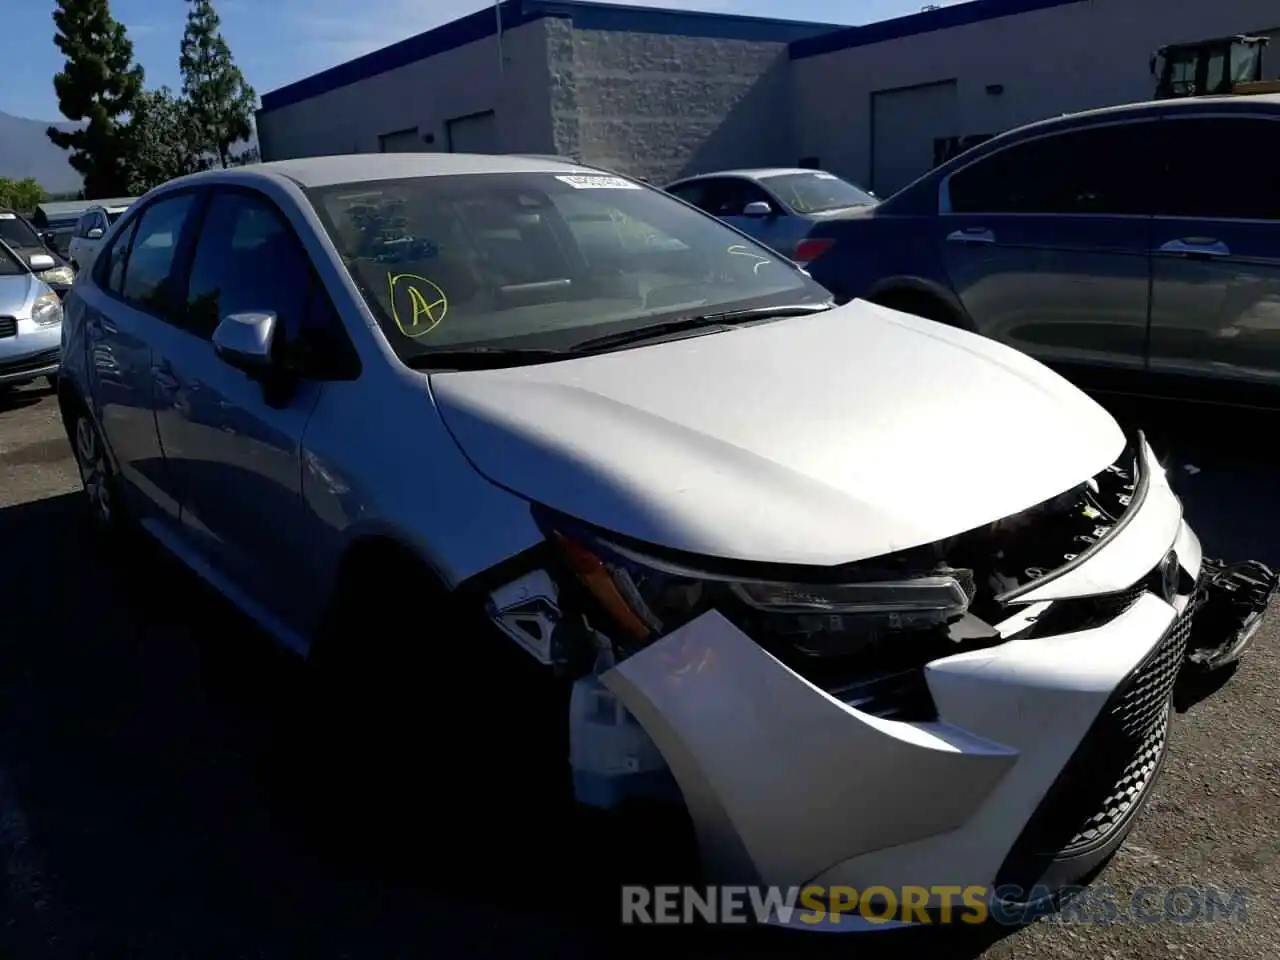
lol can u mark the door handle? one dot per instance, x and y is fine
(971, 235)
(1196, 247)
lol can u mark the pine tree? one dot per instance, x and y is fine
(220, 99)
(100, 84)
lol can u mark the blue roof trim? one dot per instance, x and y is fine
(517, 13)
(928, 21)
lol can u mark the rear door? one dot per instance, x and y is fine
(1215, 310)
(1046, 243)
(129, 303)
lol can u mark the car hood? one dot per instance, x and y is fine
(816, 440)
(17, 292)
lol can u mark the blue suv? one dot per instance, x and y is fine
(1130, 245)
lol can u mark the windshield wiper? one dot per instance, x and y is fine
(482, 358)
(682, 324)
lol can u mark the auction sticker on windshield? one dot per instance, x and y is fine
(8, 216)
(579, 182)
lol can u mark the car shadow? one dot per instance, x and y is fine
(18, 398)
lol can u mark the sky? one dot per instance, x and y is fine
(278, 41)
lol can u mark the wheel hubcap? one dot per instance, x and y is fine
(93, 469)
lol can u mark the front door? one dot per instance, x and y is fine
(1046, 243)
(1215, 307)
(236, 457)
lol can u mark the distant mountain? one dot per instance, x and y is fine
(25, 151)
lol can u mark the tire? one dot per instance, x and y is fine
(409, 730)
(52, 381)
(101, 486)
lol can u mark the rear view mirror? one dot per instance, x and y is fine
(95, 233)
(41, 261)
(757, 208)
(245, 341)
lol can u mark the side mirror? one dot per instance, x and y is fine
(41, 261)
(245, 341)
(757, 208)
(94, 234)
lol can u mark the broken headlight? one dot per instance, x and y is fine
(646, 597)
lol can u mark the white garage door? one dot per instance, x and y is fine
(402, 141)
(904, 125)
(477, 133)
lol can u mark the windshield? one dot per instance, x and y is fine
(17, 233)
(10, 266)
(817, 192)
(540, 260)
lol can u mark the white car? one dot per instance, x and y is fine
(89, 231)
(536, 462)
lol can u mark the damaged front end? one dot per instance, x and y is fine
(866, 633)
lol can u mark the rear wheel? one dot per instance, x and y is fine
(96, 474)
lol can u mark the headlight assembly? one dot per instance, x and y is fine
(63, 275)
(47, 310)
(646, 597)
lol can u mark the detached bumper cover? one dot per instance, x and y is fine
(1044, 749)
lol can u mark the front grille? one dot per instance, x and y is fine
(8, 327)
(35, 361)
(1101, 787)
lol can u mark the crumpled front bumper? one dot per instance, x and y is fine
(1043, 752)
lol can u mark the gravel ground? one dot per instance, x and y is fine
(143, 811)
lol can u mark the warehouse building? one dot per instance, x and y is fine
(648, 91)
(662, 93)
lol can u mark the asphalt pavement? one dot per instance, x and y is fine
(146, 809)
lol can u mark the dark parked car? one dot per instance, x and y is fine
(1137, 244)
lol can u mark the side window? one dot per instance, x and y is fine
(152, 252)
(110, 269)
(1099, 170)
(753, 193)
(1220, 169)
(81, 226)
(247, 259)
(718, 197)
(693, 193)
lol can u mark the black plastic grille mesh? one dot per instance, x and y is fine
(8, 327)
(1111, 771)
(1138, 725)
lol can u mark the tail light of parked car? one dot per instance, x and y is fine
(812, 248)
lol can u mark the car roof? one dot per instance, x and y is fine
(368, 167)
(1269, 101)
(749, 173)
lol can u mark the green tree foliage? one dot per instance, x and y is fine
(220, 99)
(21, 195)
(166, 143)
(99, 84)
